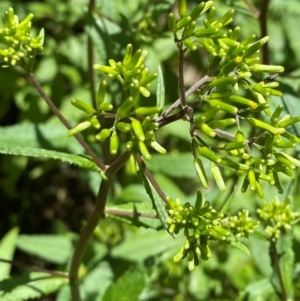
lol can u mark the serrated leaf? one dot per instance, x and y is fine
(7, 249)
(241, 247)
(29, 286)
(127, 288)
(160, 92)
(48, 154)
(157, 202)
(53, 248)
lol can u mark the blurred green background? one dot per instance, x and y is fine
(54, 198)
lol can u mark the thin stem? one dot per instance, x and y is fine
(117, 164)
(181, 77)
(275, 263)
(264, 29)
(34, 268)
(150, 177)
(252, 8)
(191, 90)
(129, 213)
(90, 51)
(54, 109)
(85, 237)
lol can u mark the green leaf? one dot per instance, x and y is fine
(50, 136)
(7, 249)
(53, 248)
(29, 286)
(160, 93)
(240, 246)
(127, 288)
(261, 290)
(157, 202)
(150, 243)
(44, 153)
(175, 165)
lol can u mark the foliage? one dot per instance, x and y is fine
(234, 129)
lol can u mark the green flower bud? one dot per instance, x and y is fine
(260, 124)
(226, 17)
(242, 100)
(224, 81)
(252, 179)
(222, 123)
(205, 32)
(209, 154)
(104, 69)
(147, 110)
(104, 106)
(129, 145)
(128, 55)
(190, 44)
(217, 176)
(234, 145)
(148, 79)
(125, 107)
(260, 98)
(158, 147)
(105, 133)
(137, 128)
(269, 145)
(179, 255)
(197, 11)
(95, 122)
(207, 130)
(114, 143)
(223, 106)
(123, 126)
(79, 128)
(188, 30)
(144, 150)
(182, 8)
(211, 48)
(201, 172)
(232, 164)
(144, 91)
(284, 160)
(211, 14)
(266, 68)
(191, 260)
(171, 22)
(253, 48)
(101, 93)
(259, 190)
(288, 122)
(134, 59)
(291, 137)
(283, 169)
(183, 22)
(132, 164)
(82, 106)
(284, 144)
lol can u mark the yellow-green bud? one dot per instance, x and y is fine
(105, 133)
(223, 106)
(144, 150)
(101, 93)
(260, 124)
(171, 22)
(201, 173)
(207, 130)
(183, 22)
(125, 107)
(189, 43)
(104, 106)
(209, 154)
(205, 32)
(77, 129)
(114, 143)
(266, 68)
(82, 106)
(222, 123)
(95, 122)
(155, 145)
(128, 55)
(197, 11)
(147, 110)
(137, 128)
(217, 176)
(123, 126)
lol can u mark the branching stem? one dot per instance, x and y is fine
(56, 112)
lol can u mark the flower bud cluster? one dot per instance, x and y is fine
(200, 223)
(277, 217)
(135, 121)
(223, 104)
(16, 39)
(241, 225)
